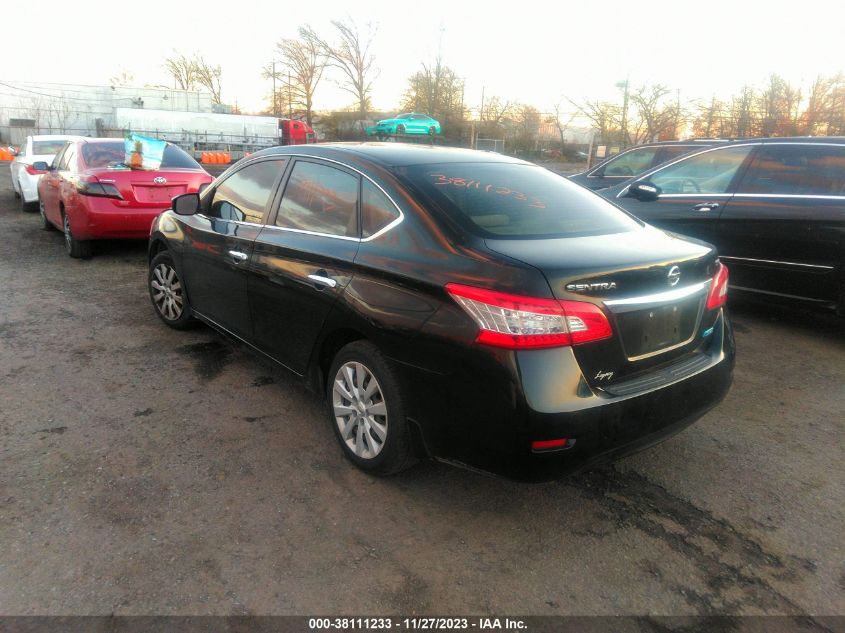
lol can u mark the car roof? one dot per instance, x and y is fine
(792, 139)
(56, 137)
(392, 154)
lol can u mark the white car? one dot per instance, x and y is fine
(24, 176)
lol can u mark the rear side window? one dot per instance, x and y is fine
(243, 196)
(377, 211)
(507, 200)
(321, 199)
(631, 163)
(673, 151)
(797, 170)
(113, 154)
(708, 172)
(47, 148)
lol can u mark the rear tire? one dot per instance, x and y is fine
(78, 249)
(26, 207)
(167, 292)
(16, 191)
(400, 130)
(365, 407)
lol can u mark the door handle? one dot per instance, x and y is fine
(321, 278)
(237, 256)
(706, 206)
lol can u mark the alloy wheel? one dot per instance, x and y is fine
(68, 234)
(167, 292)
(360, 410)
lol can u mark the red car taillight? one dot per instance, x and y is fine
(90, 186)
(718, 295)
(34, 172)
(518, 322)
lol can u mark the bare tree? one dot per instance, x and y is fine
(495, 111)
(351, 55)
(303, 61)
(122, 78)
(604, 116)
(656, 116)
(556, 118)
(181, 68)
(65, 116)
(208, 77)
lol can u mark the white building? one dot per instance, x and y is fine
(33, 108)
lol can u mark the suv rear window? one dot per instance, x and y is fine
(507, 200)
(45, 148)
(111, 154)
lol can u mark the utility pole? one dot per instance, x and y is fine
(481, 112)
(275, 108)
(624, 112)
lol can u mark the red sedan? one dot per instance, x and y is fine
(89, 193)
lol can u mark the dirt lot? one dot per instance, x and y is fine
(144, 470)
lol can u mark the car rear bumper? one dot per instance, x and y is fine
(28, 186)
(487, 420)
(100, 218)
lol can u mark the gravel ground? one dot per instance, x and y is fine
(147, 471)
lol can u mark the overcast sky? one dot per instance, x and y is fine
(532, 52)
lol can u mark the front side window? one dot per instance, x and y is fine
(797, 170)
(708, 172)
(321, 199)
(377, 211)
(243, 196)
(57, 159)
(631, 163)
(68, 158)
(514, 201)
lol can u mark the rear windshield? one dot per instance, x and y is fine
(47, 148)
(502, 200)
(112, 154)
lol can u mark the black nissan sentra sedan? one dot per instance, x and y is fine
(449, 303)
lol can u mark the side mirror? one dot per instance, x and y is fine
(40, 165)
(186, 204)
(644, 191)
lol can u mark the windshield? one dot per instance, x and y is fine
(47, 148)
(506, 200)
(112, 154)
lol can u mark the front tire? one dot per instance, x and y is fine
(46, 225)
(367, 412)
(167, 292)
(400, 130)
(78, 249)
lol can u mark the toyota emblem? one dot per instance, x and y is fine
(674, 276)
(160, 180)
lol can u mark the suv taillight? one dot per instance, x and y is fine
(90, 186)
(718, 295)
(518, 322)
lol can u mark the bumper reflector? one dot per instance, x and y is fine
(548, 445)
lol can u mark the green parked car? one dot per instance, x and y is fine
(409, 123)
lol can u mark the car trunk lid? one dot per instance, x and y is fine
(652, 286)
(151, 189)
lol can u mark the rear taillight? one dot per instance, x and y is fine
(718, 295)
(518, 322)
(90, 186)
(34, 172)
